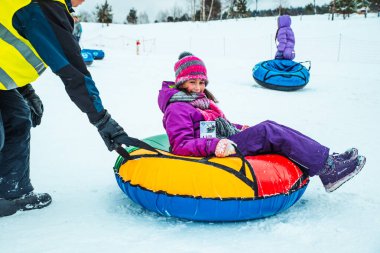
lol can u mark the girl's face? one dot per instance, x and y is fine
(194, 85)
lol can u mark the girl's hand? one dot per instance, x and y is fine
(225, 148)
(244, 127)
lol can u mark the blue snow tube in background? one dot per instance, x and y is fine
(284, 75)
(88, 59)
(97, 54)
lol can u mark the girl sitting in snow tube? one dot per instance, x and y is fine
(284, 75)
(198, 131)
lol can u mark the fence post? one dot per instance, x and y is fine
(224, 46)
(339, 46)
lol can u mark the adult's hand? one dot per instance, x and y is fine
(34, 103)
(111, 132)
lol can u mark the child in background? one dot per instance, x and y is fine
(285, 39)
(187, 104)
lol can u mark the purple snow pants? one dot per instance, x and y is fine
(270, 137)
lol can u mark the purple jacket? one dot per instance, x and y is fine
(181, 121)
(285, 38)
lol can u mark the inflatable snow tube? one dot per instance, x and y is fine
(209, 189)
(284, 75)
(87, 58)
(97, 54)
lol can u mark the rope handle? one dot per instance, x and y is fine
(299, 63)
(130, 141)
(134, 142)
(242, 158)
(244, 162)
(308, 62)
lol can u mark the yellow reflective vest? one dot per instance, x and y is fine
(20, 64)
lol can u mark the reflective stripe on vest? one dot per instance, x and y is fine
(6, 80)
(24, 49)
(18, 62)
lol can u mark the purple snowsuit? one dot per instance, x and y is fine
(181, 121)
(285, 38)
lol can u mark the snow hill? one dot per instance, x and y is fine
(340, 108)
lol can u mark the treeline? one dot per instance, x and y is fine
(206, 10)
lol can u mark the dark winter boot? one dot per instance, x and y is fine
(340, 168)
(7, 207)
(32, 201)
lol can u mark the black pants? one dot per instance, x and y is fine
(15, 124)
(48, 27)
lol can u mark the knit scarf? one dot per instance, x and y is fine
(209, 110)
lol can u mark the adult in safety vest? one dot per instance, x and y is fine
(35, 34)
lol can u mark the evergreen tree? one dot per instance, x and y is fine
(238, 9)
(132, 16)
(104, 13)
(323, 9)
(185, 17)
(345, 7)
(241, 7)
(309, 9)
(362, 6)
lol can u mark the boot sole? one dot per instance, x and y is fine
(29, 207)
(332, 187)
(25, 204)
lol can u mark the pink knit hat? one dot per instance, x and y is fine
(189, 67)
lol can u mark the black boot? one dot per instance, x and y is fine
(32, 201)
(7, 207)
(26, 202)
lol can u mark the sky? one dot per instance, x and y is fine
(152, 8)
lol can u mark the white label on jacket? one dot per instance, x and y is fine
(208, 129)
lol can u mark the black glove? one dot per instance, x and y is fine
(112, 133)
(34, 102)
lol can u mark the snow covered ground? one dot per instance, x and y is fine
(340, 108)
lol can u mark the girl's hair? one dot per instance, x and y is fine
(208, 94)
